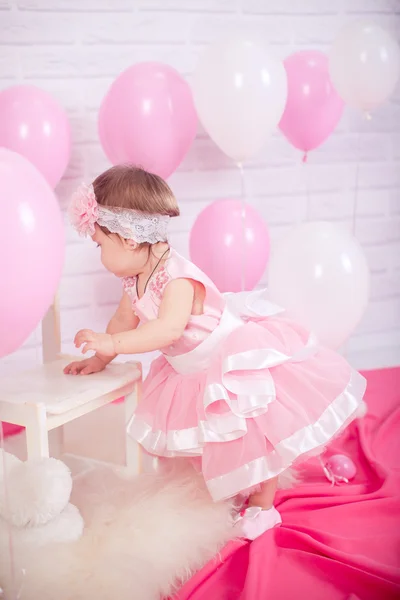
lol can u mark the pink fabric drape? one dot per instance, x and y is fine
(336, 543)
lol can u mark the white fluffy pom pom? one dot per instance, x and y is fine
(65, 528)
(38, 491)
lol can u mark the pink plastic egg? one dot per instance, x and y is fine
(340, 467)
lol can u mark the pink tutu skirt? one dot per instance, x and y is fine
(250, 404)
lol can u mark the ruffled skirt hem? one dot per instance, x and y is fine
(309, 440)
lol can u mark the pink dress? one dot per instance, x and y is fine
(245, 388)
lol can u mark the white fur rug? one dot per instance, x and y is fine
(142, 537)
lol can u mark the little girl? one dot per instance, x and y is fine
(237, 383)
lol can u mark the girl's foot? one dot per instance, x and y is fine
(254, 521)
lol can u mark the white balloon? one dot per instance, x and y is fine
(240, 93)
(365, 65)
(319, 273)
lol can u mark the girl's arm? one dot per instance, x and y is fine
(124, 319)
(174, 314)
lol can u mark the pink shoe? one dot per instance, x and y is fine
(254, 521)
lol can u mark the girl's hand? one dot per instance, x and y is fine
(94, 364)
(98, 342)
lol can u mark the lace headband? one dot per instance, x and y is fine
(141, 227)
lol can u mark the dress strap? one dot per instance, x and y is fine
(129, 286)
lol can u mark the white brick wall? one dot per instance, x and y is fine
(74, 49)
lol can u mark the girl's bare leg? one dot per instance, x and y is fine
(255, 522)
(264, 498)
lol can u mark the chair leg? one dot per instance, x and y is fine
(37, 437)
(57, 439)
(132, 448)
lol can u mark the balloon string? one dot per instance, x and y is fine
(346, 345)
(243, 224)
(307, 177)
(356, 183)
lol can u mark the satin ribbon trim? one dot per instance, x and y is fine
(190, 441)
(238, 306)
(253, 394)
(200, 358)
(304, 441)
(253, 304)
(243, 394)
(155, 442)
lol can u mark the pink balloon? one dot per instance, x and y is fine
(33, 124)
(148, 118)
(313, 107)
(31, 249)
(230, 243)
(340, 468)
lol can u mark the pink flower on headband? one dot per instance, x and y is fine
(83, 211)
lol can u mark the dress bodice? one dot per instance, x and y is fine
(199, 327)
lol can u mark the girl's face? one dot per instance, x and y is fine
(120, 257)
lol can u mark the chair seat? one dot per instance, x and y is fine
(47, 384)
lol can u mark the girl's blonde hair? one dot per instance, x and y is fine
(128, 186)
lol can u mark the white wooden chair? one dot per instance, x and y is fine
(44, 398)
